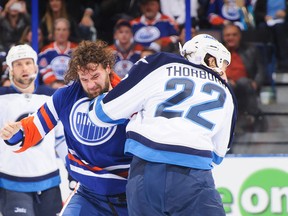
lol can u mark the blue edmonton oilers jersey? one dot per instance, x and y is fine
(95, 154)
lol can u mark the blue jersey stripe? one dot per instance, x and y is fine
(149, 154)
(217, 159)
(30, 186)
(171, 148)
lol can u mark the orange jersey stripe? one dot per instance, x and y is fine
(46, 118)
(32, 135)
(95, 168)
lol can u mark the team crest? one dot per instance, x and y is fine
(83, 129)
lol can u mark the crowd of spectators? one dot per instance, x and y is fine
(135, 27)
(138, 28)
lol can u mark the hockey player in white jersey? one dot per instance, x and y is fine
(183, 116)
(29, 182)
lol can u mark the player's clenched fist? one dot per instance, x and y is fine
(9, 130)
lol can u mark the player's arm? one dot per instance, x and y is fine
(13, 135)
(21, 135)
(30, 130)
(111, 108)
(222, 140)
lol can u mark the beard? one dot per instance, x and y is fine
(99, 90)
(25, 81)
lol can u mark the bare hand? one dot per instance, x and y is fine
(86, 19)
(281, 14)
(10, 129)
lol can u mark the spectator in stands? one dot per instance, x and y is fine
(176, 9)
(125, 50)
(174, 47)
(86, 26)
(3, 66)
(202, 14)
(182, 34)
(81, 7)
(270, 15)
(108, 12)
(246, 73)
(26, 37)
(57, 9)
(146, 52)
(239, 12)
(13, 20)
(5, 81)
(154, 29)
(54, 58)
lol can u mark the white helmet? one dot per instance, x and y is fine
(196, 50)
(20, 52)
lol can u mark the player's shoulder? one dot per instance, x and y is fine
(45, 90)
(7, 90)
(162, 58)
(69, 90)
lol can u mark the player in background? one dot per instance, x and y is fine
(182, 124)
(29, 182)
(95, 154)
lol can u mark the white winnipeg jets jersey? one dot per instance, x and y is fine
(182, 113)
(35, 169)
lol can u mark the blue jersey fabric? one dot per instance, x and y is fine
(95, 154)
(97, 146)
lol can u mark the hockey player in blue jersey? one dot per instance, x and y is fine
(29, 182)
(95, 154)
(182, 121)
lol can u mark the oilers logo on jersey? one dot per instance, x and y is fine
(59, 66)
(147, 34)
(122, 67)
(83, 129)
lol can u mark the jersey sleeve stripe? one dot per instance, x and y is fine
(33, 136)
(46, 118)
(50, 115)
(51, 108)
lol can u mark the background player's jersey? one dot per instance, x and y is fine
(186, 112)
(162, 27)
(36, 169)
(95, 154)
